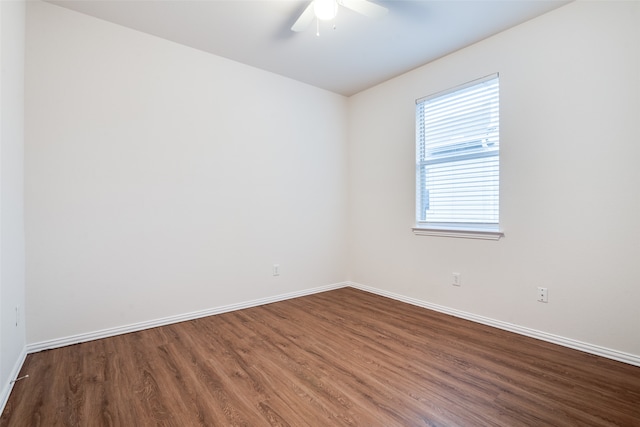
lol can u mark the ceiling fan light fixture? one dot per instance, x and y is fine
(325, 10)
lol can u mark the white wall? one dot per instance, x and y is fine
(162, 180)
(12, 265)
(150, 192)
(570, 180)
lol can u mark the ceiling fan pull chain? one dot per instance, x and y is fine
(317, 27)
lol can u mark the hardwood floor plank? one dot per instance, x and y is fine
(339, 358)
(341, 365)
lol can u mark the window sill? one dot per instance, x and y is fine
(458, 233)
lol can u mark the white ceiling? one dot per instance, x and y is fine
(359, 53)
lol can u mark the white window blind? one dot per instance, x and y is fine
(458, 157)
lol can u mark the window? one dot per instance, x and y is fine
(458, 161)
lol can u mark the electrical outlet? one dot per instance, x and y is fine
(17, 314)
(543, 295)
(456, 279)
(276, 269)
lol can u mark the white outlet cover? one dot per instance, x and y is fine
(457, 279)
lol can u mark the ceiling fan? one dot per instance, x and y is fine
(326, 10)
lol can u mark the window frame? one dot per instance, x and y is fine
(472, 230)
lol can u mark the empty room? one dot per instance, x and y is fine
(320, 213)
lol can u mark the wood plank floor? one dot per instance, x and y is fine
(339, 358)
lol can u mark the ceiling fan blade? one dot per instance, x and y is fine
(365, 8)
(304, 20)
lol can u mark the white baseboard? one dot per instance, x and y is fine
(110, 332)
(631, 359)
(6, 389)
(620, 356)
